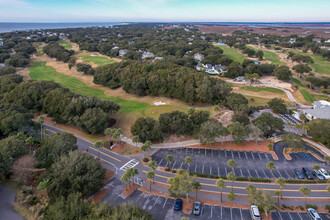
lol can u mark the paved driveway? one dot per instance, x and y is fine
(7, 196)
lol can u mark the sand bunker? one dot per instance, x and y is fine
(159, 103)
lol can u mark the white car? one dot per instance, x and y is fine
(324, 173)
(313, 214)
(255, 214)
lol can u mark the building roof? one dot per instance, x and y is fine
(218, 67)
(323, 113)
(208, 66)
(321, 104)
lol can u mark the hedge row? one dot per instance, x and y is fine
(252, 179)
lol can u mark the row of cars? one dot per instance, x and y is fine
(320, 174)
(197, 208)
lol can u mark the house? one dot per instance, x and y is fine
(190, 39)
(114, 48)
(317, 40)
(240, 79)
(198, 56)
(203, 37)
(292, 40)
(325, 47)
(321, 109)
(327, 41)
(157, 58)
(147, 55)
(122, 52)
(208, 68)
(220, 69)
(200, 67)
(1, 43)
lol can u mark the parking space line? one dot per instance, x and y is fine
(252, 155)
(290, 215)
(160, 162)
(166, 164)
(226, 170)
(288, 175)
(279, 213)
(156, 201)
(299, 216)
(239, 155)
(241, 214)
(267, 156)
(202, 210)
(264, 173)
(241, 172)
(249, 172)
(174, 164)
(210, 170)
(195, 168)
(279, 173)
(186, 150)
(259, 156)
(199, 151)
(211, 211)
(225, 153)
(231, 213)
(139, 197)
(221, 212)
(218, 172)
(165, 203)
(245, 155)
(232, 154)
(203, 169)
(257, 173)
(181, 165)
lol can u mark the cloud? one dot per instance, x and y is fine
(15, 3)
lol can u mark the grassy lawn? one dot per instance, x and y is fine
(257, 101)
(42, 72)
(98, 60)
(321, 65)
(65, 44)
(298, 83)
(271, 56)
(232, 53)
(307, 95)
(258, 89)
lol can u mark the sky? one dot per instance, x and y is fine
(165, 10)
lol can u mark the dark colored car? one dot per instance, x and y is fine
(197, 208)
(178, 205)
(299, 174)
(308, 173)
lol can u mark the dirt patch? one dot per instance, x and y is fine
(129, 189)
(273, 81)
(224, 117)
(126, 149)
(24, 72)
(99, 195)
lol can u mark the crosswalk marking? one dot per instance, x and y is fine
(130, 164)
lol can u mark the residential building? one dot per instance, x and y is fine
(1, 43)
(114, 48)
(325, 47)
(147, 55)
(240, 79)
(321, 110)
(292, 40)
(198, 56)
(157, 58)
(122, 52)
(327, 41)
(317, 40)
(208, 68)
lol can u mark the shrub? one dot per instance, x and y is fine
(253, 179)
(305, 181)
(173, 171)
(327, 207)
(311, 206)
(300, 207)
(145, 159)
(167, 169)
(270, 147)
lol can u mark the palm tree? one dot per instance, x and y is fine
(169, 160)
(151, 175)
(231, 197)
(125, 178)
(231, 177)
(136, 140)
(40, 121)
(232, 164)
(224, 132)
(196, 185)
(153, 165)
(328, 189)
(278, 193)
(327, 159)
(29, 142)
(281, 183)
(188, 160)
(306, 128)
(221, 185)
(146, 147)
(98, 145)
(109, 132)
(132, 172)
(271, 166)
(306, 192)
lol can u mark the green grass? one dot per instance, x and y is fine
(232, 53)
(229, 84)
(321, 65)
(307, 95)
(258, 89)
(98, 60)
(297, 82)
(271, 56)
(42, 72)
(65, 44)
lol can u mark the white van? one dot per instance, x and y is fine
(255, 214)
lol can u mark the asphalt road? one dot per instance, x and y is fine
(120, 163)
(7, 196)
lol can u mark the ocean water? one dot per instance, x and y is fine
(11, 26)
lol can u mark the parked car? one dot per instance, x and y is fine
(313, 214)
(318, 175)
(255, 214)
(178, 205)
(324, 173)
(299, 174)
(307, 173)
(197, 208)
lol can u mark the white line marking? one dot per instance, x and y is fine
(165, 203)
(246, 155)
(130, 164)
(249, 172)
(257, 173)
(210, 170)
(225, 153)
(211, 211)
(280, 214)
(181, 165)
(218, 172)
(221, 212)
(203, 169)
(174, 165)
(299, 216)
(290, 215)
(232, 154)
(264, 173)
(252, 155)
(161, 161)
(241, 172)
(156, 201)
(259, 156)
(241, 214)
(195, 168)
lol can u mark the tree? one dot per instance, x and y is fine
(153, 165)
(328, 189)
(271, 166)
(147, 129)
(283, 73)
(253, 77)
(319, 130)
(306, 192)
(54, 146)
(302, 68)
(182, 182)
(278, 105)
(169, 160)
(109, 132)
(29, 142)
(23, 168)
(303, 117)
(146, 147)
(74, 172)
(327, 160)
(98, 145)
(231, 177)
(293, 140)
(217, 109)
(239, 132)
(232, 164)
(231, 196)
(209, 131)
(268, 202)
(221, 185)
(136, 140)
(281, 183)
(234, 70)
(267, 123)
(278, 193)
(316, 167)
(151, 175)
(125, 178)
(256, 133)
(253, 194)
(260, 54)
(224, 132)
(40, 121)
(93, 120)
(196, 185)
(188, 160)
(132, 172)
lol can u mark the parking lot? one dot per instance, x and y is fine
(293, 216)
(249, 164)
